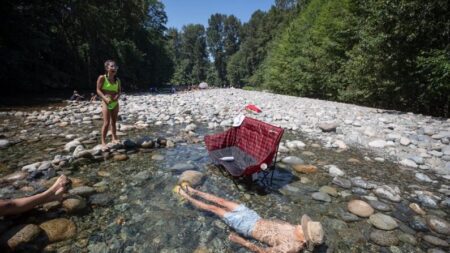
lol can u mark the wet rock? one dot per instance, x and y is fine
(427, 200)
(74, 204)
(44, 166)
(180, 167)
(378, 144)
(408, 163)
(359, 191)
(120, 157)
(348, 217)
(403, 213)
(422, 177)
(321, 196)
(418, 223)
(328, 126)
(4, 143)
(380, 205)
(407, 238)
(59, 229)
(435, 241)
(342, 182)
(382, 221)
(31, 167)
(388, 192)
(329, 190)
(416, 208)
(142, 176)
(20, 235)
(335, 171)
(51, 205)
(19, 175)
(292, 160)
(157, 157)
(438, 225)
(70, 146)
(360, 208)
(83, 191)
(193, 177)
(306, 169)
(336, 224)
(129, 144)
(101, 199)
(384, 238)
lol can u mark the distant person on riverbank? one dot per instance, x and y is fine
(108, 89)
(279, 235)
(93, 97)
(17, 206)
(75, 96)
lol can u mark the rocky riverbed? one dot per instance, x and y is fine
(378, 180)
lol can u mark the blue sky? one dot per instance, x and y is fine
(183, 12)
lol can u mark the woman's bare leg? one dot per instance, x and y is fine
(106, 121)
(229, 205)
(114, 114)
(197, 203)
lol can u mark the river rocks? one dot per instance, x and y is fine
(426, 200)
(438, 225)
(418, 223)
(74, 204)
(342, 182)
(327, 126)
(404, 141)
(435, 241)
(70, 146)
(59, 229)
(384, 238)
(335, 171)
(193, 177)
(19, 175)
(4, 143)
(120, 157)
(157, 157)
(407, 238)
(180, 167)
(101, 199)
(20, 235)
(388, 192)
(382, 221)
(408, 163)
(360, 208)
(82, 191)
(292, 160)
(306, 169)
(329, 190)
(380, 205)
(416, 208)
(378, 144)
(359, 182)
(321, 196)
(422, 177)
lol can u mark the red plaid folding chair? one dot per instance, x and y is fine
(253, 147)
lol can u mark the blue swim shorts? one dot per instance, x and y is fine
(242, 219)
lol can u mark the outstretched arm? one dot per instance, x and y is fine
(249, 245)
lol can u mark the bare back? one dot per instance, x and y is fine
(278, 234)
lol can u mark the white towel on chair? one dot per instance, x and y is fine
(238, 120)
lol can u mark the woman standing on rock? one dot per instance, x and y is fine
(108, 88)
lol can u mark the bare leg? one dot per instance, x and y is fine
(229, 205)
(197, 203)
(114, 114)
(16, 206)
(106, 120)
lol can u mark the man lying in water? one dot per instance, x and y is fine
(282, 237)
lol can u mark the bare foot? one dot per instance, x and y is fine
(104, 147)
(115, 141)
(57, 190)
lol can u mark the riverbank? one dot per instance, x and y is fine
(331, 155)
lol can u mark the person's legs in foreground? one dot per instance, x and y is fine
(106, 121)
(16, 206)
(199, 204)
(229, 205)
(114, 114)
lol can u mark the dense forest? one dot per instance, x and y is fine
(392, 54)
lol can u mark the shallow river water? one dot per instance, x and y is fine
(141, 214)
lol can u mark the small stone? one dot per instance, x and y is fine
(82, 191)
(384, 238)
(380, 205)
(404, 141)
(416, 208)
(388, 192)
(4, 143)
(342, 182)
(306, 169)
(101, 199)
(180, 167)
(418, 223)
(335, 171)
(360, 208)
(407, 238)
(120, 157)
(321, 196)
(382, 221)
(408, 163)
(74, 204)
(329, 190)
(51, 205)
(435, 241)
(59, 229)
(19, 235)
(438, 225)
(292, 160)
(378, 144)
(422, 177)
(157, 157)
(328, 126)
